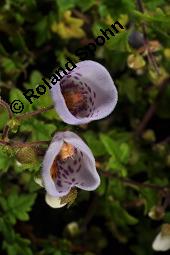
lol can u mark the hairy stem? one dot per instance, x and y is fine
(151, 58)
(4, 143)
(34, 113)
(134, 183)
(29, 144)
(152, 109)
(6, 106)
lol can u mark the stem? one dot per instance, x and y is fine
(31, 114)
(165, 141)
(150, 56)
(4, 143)
(90, 213)
(152, 109)
(138, 184)
(29, 144)
(6, 106)
(10, 115)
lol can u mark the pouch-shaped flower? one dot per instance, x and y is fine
(162, 240)
(68, 163)
(85, 94)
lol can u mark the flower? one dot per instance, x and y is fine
(68, 163)
(162, 240)
(157, 212)
(85, 94)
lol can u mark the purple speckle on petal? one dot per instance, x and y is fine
(75, 77)
(89, 89)
(75, 162)
(64, 176)
(79, 74)
(66, 172)
(78, 169)
(70, 169)
(59, 183)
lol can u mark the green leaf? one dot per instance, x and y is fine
(66, 4)
(8, 65)
(5, 162)
(86, 5)
(110, 145)
(95, 144)
(39, 130)
(17, 246)
(18, 206)
(16, 94)
(116, 166)
(124, 152)
(159, 18)
(35, 77)
(119, 42)
(121, 216)
(128, 87)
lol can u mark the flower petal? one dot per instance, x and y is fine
(161, 243)
(54, 202)
(94, 82)
(50, 155)
(86, 175)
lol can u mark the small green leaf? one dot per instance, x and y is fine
(19, 206)
(124, 152)
(111, 146)
(4, 160)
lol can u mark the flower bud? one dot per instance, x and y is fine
(136, 40)
(73, 229)
(13, 125)
(157, 213)
(135, 61)
(26, 155)
(149, 136)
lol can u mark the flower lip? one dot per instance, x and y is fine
(54, 202)
(76, 171)
(95, 95)
(162, 240)
(161, 243)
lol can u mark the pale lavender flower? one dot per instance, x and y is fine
(68, 163)
(85, 94)
(162, 240)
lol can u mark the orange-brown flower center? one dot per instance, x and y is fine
(54, 170)
(67, 151)
(73, 99)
